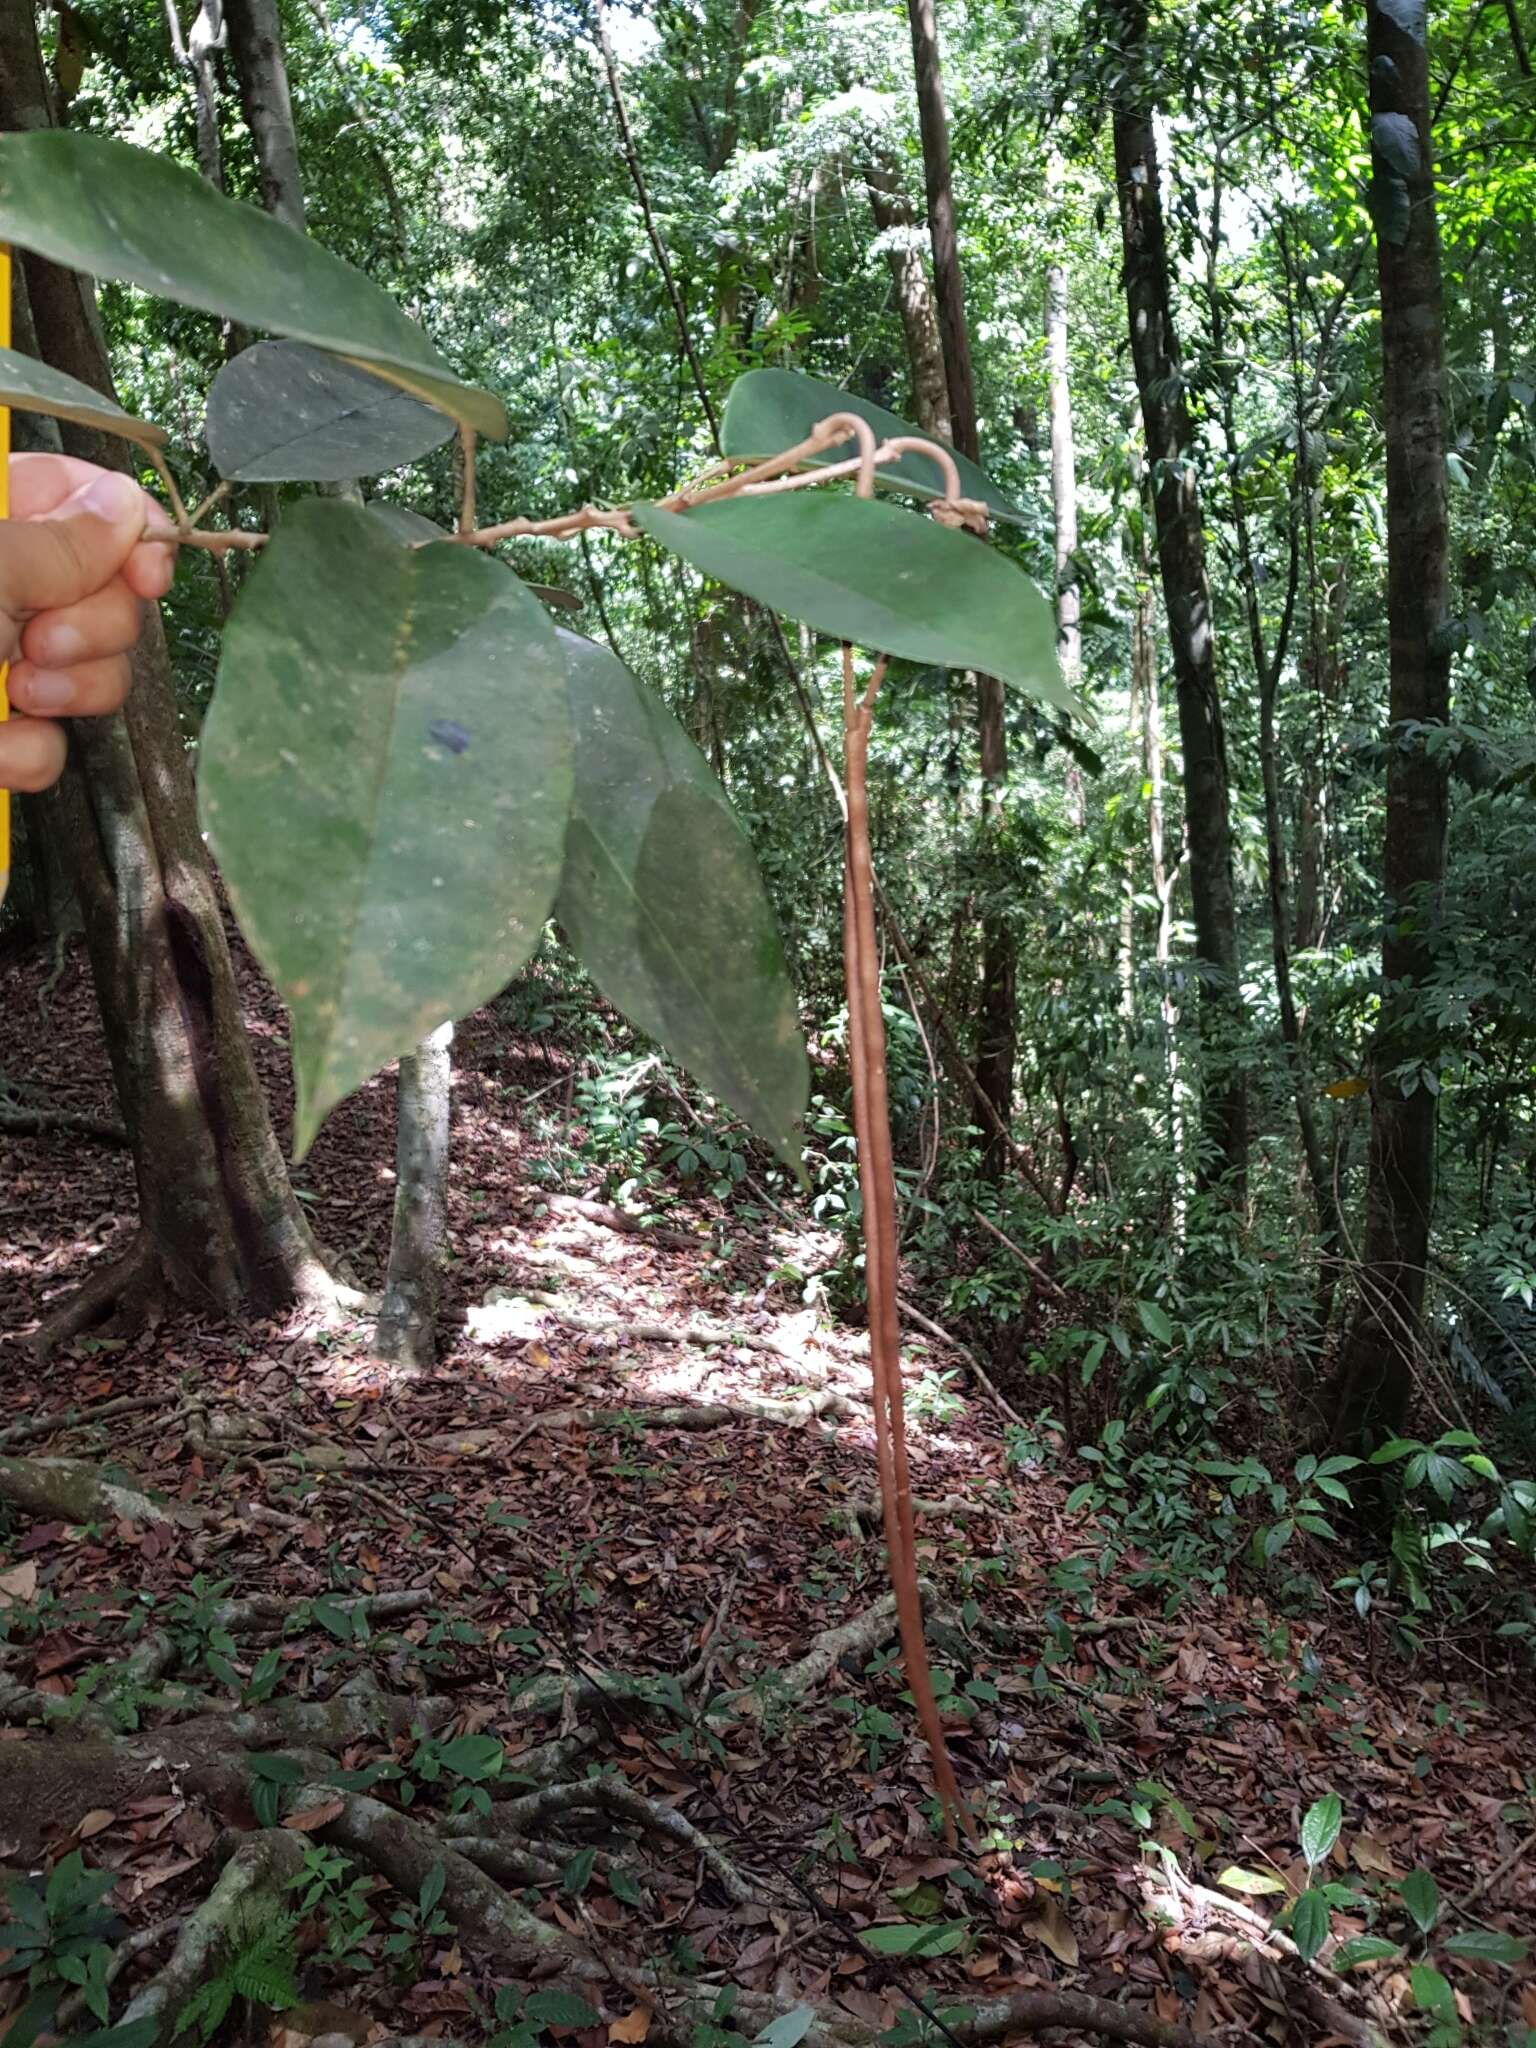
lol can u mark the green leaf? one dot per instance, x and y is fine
(1421, 1895)
(887, 579)
(1365, 1948)
(404, 524)
(904, 1939)
(472, 1756)
(29, 386)
(577, 1874)
(560, 2009)
(624, 1887)
(282, 412)
(1255, 1882)
(701, 900)
(277, 1769)
(1431, 1991)
(662, 901)
(1399, 1447)
(431, 1889)
(788, 2030)
(1486, 1945)
(386, 773)
(113, 211)
(1154, 1321)
(1320, 1827)
(1309, 1924)
(770, 410)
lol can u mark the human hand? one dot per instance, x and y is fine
(74, 572)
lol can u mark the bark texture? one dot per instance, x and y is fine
(1375, 1374)
(1069, 639)
(256, 44)
(418, 1245)
(996, 1025)
(214, 1196)
(1186, 595)
(914, 300)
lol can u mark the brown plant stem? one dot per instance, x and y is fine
(877, 1186)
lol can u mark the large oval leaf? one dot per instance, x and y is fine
(879, 576)
(114, 211)
(770, 410)
(665, 906)
(30, 386)
(385, 779)
(282, 412)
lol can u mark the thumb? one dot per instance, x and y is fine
(72, 551)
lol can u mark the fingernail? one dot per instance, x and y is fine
(62, 645)
(109, 495)
(48, 691)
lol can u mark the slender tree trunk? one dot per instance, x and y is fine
(1186, 595)
(996, 1036)
(1374, 1381)
(418, 1246)
(256, 45)
(914, 300)
(194, 52)
(1145, 690)
(1069, 639)
(223, 1229)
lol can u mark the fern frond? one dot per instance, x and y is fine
(206, 2009)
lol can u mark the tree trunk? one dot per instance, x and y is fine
(1171, 460)
(418, 1246)
(214, 1196)
(194, 52)
(996, 1034)
(256, 45)
(1374, 1381)
(914, 300)
(1165, 878)
(1069, 641)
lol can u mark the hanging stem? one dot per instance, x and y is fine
(877, 1186)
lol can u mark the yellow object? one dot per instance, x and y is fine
(5, 513)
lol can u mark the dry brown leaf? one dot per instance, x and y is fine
(633, 2027)
(98, 1818)
(315, 1816)
(18, 1584)
(1055, 1930)
(1368, 1854)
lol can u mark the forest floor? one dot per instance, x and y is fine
(553, 1539)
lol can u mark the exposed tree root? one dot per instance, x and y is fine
(79, 1418)
(643, 1331)
(73, 1123)
(625, 1221)
(481, 1442)
(69, 1490)
(609, 1795)
(855, 1638)
(48, 1784)
(405, 1850)
(248, 1894)
(124, 1292)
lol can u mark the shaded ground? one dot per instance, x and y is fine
(1120, 1761)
